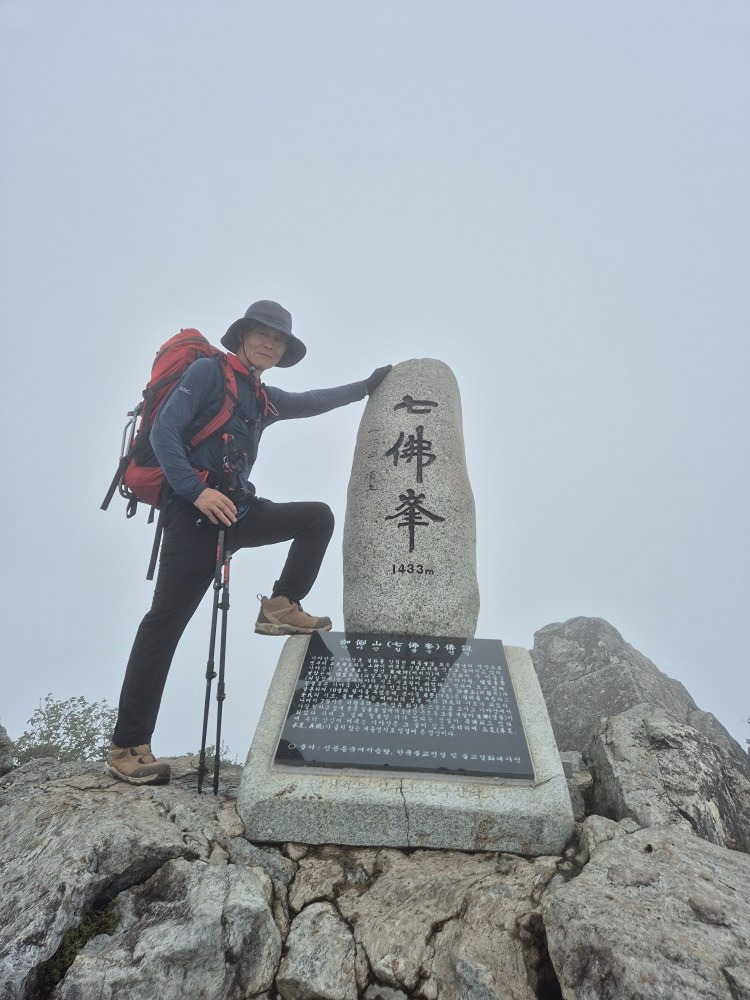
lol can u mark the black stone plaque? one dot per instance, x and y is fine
(405, 703)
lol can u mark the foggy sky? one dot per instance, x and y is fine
(551, 199)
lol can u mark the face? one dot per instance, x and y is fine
(262, 348)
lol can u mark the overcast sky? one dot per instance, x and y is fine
(550, 198)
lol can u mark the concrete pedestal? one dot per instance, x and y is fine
(406, 809)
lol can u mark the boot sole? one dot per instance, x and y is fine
(267, 628)
(150, 779)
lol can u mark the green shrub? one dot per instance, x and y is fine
(74, 729)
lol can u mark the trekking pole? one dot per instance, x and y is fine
(210, 672)
(220, 691)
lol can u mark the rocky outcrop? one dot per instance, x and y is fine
(207, 921)
(74, 838)
(444, 924)
(650, 767)
(190, 901)
(110, 891)
(320, 962)
(6, 752)
(655, 913)
(588, 672)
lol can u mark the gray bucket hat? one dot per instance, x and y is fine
(269, 314)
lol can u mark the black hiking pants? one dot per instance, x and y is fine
(187, 564)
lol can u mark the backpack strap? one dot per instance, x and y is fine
(116, 481)
(158, 532)
(261, 393)
(217, 422)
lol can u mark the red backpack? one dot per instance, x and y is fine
(139, 476)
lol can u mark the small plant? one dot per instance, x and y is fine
(74, 729)
(227, 757)
(101, 920)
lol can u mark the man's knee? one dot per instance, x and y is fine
(324, 517)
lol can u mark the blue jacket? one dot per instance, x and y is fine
(198, 397)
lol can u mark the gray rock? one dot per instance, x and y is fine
(279, 869)
(185, 775)
(656, 913)
(596, 830)
(588, 671)
(361, 967)
(437, 593)
(295, 851)
(580, 783)
(324, 873)
(194, 929)
(6, 752)
(73, 835)
(376, 991)
(657, 770)
(738, 980)
(451, 925)
(320, 959)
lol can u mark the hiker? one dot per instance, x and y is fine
(210, 487)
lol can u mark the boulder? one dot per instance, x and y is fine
(655, 913)
(587, 671)
(410, 529)
(595, 830)
(194, 928)
(73, 836)
(6, 752)
(650, 767)
(329, 870)
(448, 924)
(319, 963)
(279, 869)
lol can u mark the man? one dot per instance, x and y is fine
(259, 341)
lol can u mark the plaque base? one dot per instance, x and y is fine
(354, 807)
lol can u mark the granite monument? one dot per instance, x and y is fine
(406, 730)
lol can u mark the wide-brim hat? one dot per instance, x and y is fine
(277, 318)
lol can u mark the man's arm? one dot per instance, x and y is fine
(316, 401)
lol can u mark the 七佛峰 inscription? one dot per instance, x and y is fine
(412, 512)
(412, 405)
(414, 447)
(410, 504)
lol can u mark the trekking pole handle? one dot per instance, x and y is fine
(221, 544)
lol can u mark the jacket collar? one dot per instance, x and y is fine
(235, 363)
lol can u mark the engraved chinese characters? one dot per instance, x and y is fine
(411, 703)
(410, 530)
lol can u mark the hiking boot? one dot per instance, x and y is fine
(137, 765)
(280, 616)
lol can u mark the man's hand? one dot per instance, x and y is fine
(376, 378)
(216, 507)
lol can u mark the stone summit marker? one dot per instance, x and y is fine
(405, 730)
(410, 535)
